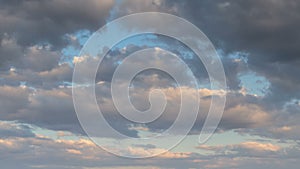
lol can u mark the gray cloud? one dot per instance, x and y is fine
(8, 130)
(32, 22)
(267, 30)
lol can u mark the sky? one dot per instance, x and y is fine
(41, 44)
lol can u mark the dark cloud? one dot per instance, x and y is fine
(283, 77)
(51, 109)
(126, 7)
(26, 57)
(268, 31)
(12, 99)
(34, 21)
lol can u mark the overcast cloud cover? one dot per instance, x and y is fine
(259, 44)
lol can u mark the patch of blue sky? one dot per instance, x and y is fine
(66, 84)
(54, 134)
(254, 84)
(143, 40)
(155, 41)
(70, 51)
(139, 40)
(82, 36)
(113, 14)
(239, 56)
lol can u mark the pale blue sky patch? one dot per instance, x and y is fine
(254, 84)
(72, 50)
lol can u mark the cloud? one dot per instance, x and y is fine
(32, 152)
(8, 129)
(80, 153)
(246, 23)
(140, 151)
(266, 30)
(38, 66)
(246, 149)
(35, 22)
(245, 116)
(12, 99)
(260, 146)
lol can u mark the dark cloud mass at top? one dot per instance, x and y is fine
(269, 31)
(43, 21)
